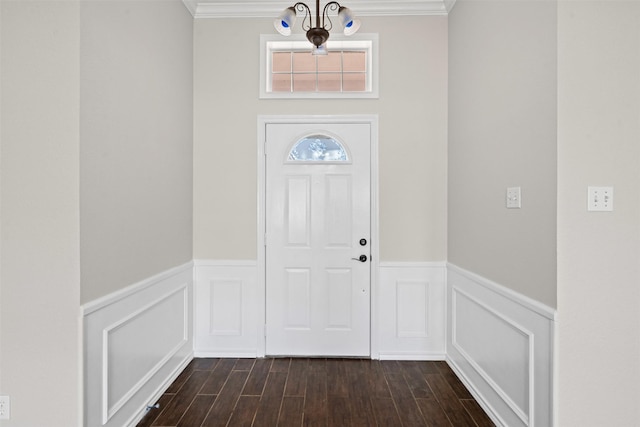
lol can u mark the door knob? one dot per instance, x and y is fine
(361, 258)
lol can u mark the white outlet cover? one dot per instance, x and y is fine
(5, 408)
(600, 199)
(514, 198)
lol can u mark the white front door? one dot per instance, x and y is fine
(318, 271)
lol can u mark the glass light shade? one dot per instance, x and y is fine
(285, 21)
(320, 50)
(347, 21)
(352, 27)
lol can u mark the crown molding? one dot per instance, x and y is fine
(269, 9)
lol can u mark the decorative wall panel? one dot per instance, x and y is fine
(226, 314)
(501, 344)
(136, 342)
(414, 322)
(225, 307)
(411, 311)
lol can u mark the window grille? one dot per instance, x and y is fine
(290, 70)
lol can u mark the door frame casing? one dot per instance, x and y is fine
(261, 298)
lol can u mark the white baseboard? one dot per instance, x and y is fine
(411, 311)
(136, 341)
(160, 391)
(418, 356)
(500, 344)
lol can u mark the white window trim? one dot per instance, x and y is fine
(297, 38)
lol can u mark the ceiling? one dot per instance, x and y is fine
(262, 9)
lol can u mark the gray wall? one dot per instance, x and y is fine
(560, 82)
(412, 145)
(136, 97)
(96, 174)
(598, 252)
(39, 244)
(502, 133)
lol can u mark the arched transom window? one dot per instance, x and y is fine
(318, 148)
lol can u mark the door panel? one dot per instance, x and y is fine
(298, 215)
(338, 206)
(318, 291)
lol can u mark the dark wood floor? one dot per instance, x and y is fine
(316, 392)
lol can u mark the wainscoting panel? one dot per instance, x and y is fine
(136, 342)
(226, 312)
(500, 343)
(411, 311)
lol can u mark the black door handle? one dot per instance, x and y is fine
(362, 258)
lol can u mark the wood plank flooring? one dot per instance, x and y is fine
(316, 392)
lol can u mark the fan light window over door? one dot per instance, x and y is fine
(318, 148)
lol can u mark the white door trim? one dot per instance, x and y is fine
(263, 121)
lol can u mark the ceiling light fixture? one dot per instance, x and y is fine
(319, 33)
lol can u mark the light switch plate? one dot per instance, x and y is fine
(514, 198)
(5, 408)
(600, 199)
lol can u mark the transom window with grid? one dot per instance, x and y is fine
(337, 71)
(291, 70)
